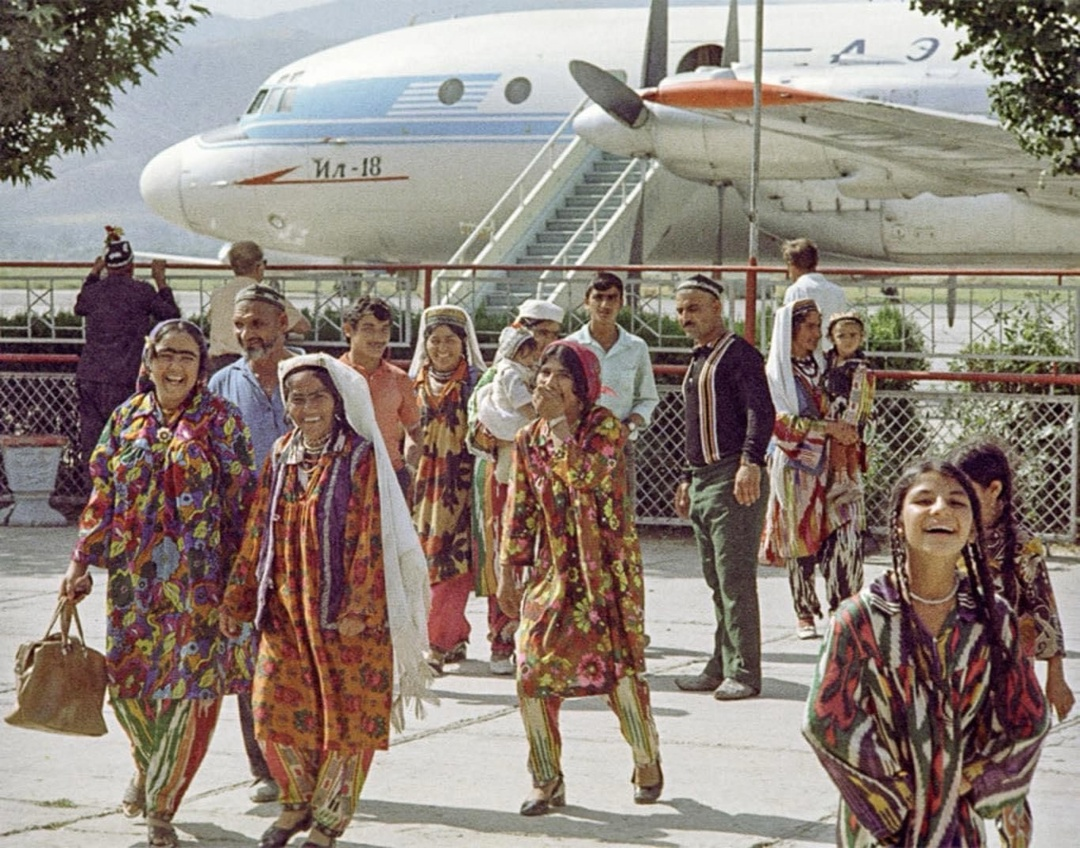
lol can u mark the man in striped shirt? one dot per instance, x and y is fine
(729, 419)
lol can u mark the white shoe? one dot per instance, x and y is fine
(806, 629)
(502, 666)
(264, 791)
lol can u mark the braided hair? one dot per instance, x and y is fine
(984, 462)
(978, 573)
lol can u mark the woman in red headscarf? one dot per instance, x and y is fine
(570, 542)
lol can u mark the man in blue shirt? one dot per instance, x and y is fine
(260, 322)
(625, 366)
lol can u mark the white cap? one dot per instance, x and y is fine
(541, 310)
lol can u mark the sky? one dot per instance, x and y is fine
(256, 8)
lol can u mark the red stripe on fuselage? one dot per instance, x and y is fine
(274, 178)
(728, 94)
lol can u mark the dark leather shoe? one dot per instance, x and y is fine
(540, 801)
(699, 683)
(278, 837)
(649, 794)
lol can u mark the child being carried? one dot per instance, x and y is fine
(508, 406)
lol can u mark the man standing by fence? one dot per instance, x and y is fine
(729, 419)
(119, 312)
(625, 366)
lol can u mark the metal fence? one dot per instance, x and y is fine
(973, 321)
(1040, 429)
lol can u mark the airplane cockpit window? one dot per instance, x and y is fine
(451, 91)
(518, 90)
(257, 102)
(704, 55)
(287, 97)
(273, 100)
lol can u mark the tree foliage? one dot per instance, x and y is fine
(61, 63)
(1031, 48)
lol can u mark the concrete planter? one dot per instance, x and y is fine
(30, 463)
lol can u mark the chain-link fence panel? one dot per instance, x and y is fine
(1040, 430)
(45, 404)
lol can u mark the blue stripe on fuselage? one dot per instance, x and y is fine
(399, 130)
(373, 98)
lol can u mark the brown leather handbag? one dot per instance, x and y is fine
(60, 681)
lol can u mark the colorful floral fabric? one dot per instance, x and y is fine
(444, 475)
(316, 689)
(918, 754)
(165, 518)
(1029, 591)
(582, 616)
(795, 524)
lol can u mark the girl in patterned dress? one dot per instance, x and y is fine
(923, 710)
(172, 473)
(332, 574)
(446, 366)
(1017, 561)
(569, 536)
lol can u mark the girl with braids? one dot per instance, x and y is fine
(1017, 561)
(923, 710)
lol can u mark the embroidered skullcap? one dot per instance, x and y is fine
(451, 316)
(837, 317)
(589, 364)
(541, 310)
(261, 294)
(803, 307)
(701, 283)
(118, 252)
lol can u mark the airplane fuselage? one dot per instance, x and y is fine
(391, 147)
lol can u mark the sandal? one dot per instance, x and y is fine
(160, 833)
(133, 804)
(322, 831)
(277, 836)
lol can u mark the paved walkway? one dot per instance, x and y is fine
(737, 774)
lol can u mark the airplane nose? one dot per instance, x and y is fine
(601, 130)
(159, 184)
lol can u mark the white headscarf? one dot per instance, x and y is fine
(446, 315)
(408, 592)
(778, 366)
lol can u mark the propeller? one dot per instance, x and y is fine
(654, 64)
(610, 94)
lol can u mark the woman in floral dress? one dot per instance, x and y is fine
(172, 475)
(569, 536)
(446, 366)
(332, 574)
(923, 710)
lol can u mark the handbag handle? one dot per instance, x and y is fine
(65, 612)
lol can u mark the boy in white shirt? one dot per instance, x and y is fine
(507, 407)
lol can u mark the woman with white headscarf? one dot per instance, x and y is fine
(332, 573)
(797, 521)
(446, 366)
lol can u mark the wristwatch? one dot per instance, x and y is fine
(634, 432)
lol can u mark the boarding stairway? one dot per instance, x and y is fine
(572, 205)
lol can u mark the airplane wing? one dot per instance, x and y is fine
(876, 150)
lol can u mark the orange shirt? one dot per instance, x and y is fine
(394, 399)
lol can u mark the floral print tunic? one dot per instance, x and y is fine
(1029, 591)
(444, 475)
(916, 760)
(315, 688)
(566, 521)
(165, 518)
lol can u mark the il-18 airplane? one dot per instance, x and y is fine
(876, 142)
